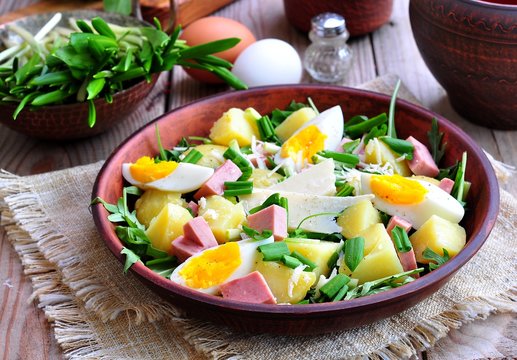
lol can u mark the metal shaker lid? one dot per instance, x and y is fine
(328, 24)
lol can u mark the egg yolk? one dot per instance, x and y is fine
(146, 170)
(397, 189)
(213, 267)
(308, 141)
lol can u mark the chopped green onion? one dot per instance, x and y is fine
(290, 261)
(310, 265)
(266, 130)
(192, 157)
(354, 120)
(375, 132)
(400, 239)
(341, 294)
(355, 131)
(274, 251)
(235, 188)
(332, 261)
(274, 199)
(346, 190)
(350, 160)
(332, 288)
(401, 147)
(354, 252)
(459, 181)
(435, 139)
(240, 161)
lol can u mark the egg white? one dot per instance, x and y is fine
(248, 254)
(185, 178)
(330, 123)
(436, 202)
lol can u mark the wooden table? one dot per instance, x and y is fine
(25, 333)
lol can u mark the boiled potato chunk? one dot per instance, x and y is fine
(153, 201)
(293, 122)
(212, 155)
(252, 115)
(286, 284)
(233, 125)
(377, 152)
(221, 215)
(318, 251)
(380, 261)
(358, 217)
(426, 179)
(438, 233)
(167, 226)
(263, 178)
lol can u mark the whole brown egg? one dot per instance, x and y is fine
(216, 28)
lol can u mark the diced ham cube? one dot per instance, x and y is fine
(194, 207)
(408, 261)
(422, 162)
(183, 248)
(398, 221)
(197, 236)
(198, 231)
(215, 185)
(272, 218)
(251, 288)
(446, 185)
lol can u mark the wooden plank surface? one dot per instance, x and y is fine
(389, 50)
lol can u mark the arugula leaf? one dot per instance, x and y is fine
(131, 258)
(255, 235)
(349, 147)
(435, 139)
(459, 180)
(437, 258)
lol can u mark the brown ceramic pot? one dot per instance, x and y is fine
(471, 48)
(197, 118)
(362, 16)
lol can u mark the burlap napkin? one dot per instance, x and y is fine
(98, 312)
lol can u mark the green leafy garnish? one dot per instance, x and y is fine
(274, 199)
(459, 181)
(437, 259)
(131, 258)
(435, 139)
(401, 147)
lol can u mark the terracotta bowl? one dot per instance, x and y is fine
(471, 48)
(197, 118)
(362, 16)
(67, 122)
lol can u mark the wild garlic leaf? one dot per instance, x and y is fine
(131, 258)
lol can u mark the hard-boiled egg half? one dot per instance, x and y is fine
(212, 267)
(166, 175)
(324, 132)
(412, 199)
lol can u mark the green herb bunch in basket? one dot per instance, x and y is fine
(96, 59)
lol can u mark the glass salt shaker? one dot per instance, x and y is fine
(328, 58)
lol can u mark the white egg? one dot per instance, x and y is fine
(268, 62)
(324, 132)
(414, 200)
(210, 268)
(184, 178)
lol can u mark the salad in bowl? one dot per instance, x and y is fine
(294, 206)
